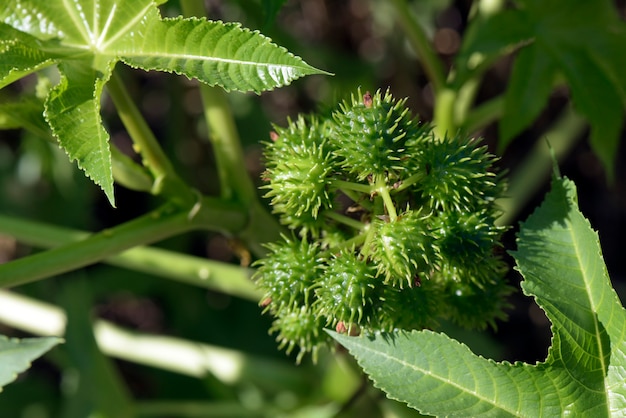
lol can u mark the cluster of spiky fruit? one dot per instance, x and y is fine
(393, 227)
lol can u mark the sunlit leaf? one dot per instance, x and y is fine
(560, 258)
(85, 38)
(213, 52)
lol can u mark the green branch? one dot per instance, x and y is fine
(196, 271)
(166, 181)
(163, 352)
(161, 223)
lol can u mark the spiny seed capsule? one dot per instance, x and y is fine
(403, 248)
(345, 291)
(465, 239)
(459, 175)
(288, 273)
(490, 269)
(303, 328)
(418, 247)
(299, 165)
(472, 306)
(410, 308)
(372, 136)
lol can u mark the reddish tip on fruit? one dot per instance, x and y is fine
(273, 136)
(341, 327)
(417, 282)
(367, 100)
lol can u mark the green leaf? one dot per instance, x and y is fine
(72, 110)
(215, 53)
(560, 258)
(529, 88)
(270, 10)
(17, 354)
(488, 38)
(20, 55)
(85, 38)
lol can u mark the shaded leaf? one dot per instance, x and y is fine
(26, 112)
(487, 38)
(560, 258)
(17, 354)
(270, 10)
(529, 88)
(580, 40)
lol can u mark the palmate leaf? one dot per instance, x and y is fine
(560, 258)
(85, 38)
(580, 40)
(16, 355)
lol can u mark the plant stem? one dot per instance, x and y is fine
(383, 191)
(443, 114)
(128, 173)
(166, 181)
(348, 185)
(420, 42)
(190, 358)
(234, 181)
(196, 271)
(353, 223)
(409, 181)
(161, 223)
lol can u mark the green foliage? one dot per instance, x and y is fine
(16, 355)
(85, 39)
(560, 258)
(580, 42)
(367, 260)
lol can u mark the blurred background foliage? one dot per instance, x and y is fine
(362, 44)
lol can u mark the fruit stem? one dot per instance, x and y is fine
(380, 186)
(346, 220)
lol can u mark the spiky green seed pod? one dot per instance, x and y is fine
(372, 134)
(471, 306)
(346, 290)
(466, 241)
(288, 274)
(299, 165)
(483, 272)
(458, 175)
(396, 226)
(403, 248)
(303, 328)
(411, 308)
